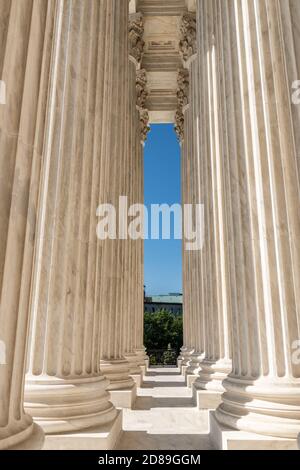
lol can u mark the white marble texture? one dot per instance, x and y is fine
(164, 416)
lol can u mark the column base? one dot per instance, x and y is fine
(193, 370)
(206, 399)
(262, 406)
(117, 371)
(138, 379)
(142, 356)
(135, 369)
(17, 434)
(179, 363)
(183, 370)
(35, 441)
(190, 379)
(195, 363)
(187, 357)
(122, 387)
(124, 398)
(96, 438)
(212, 374)
(224, 438)
(68, 405)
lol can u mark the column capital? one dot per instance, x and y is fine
(141, 98)
(179, 124)
(144, 124)
(141, 88)
(188, 36)
(136, 32)
(182, 101)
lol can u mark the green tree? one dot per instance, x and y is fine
(163, 328)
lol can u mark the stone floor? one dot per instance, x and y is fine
(164, 417)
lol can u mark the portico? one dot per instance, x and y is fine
(83, 81)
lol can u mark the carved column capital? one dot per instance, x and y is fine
(188, 40)
(182, 101)
(141, 88)
(179, 124)
(136, 32)
(142, 95)
(183, 87)
(144, 124)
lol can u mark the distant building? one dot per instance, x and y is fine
(171, 302)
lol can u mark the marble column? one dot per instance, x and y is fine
(191, 161)
(141, 137)
(65, 389)
(258, 50)
(113, 299)
(26, 31)
(130, 287)
(197, 292)
(182, 127)
(216, 295)
(134, 351)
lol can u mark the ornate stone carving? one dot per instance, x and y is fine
(141, 88)
(141, 98)
(144, 124)
(183, 100)
(188, 41)
(179, 124)
(136, 32)
(183, 87)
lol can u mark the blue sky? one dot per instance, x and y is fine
(163, 258)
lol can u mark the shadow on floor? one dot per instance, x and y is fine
(147, 403)
(150, 384)
(161, 373)
(164, 417)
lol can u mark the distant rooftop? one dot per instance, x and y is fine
(172, 298)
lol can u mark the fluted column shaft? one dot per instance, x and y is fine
(186, 189)
(197, 293)
(258, 65)
(216, 294)
(26, 31)
(139, 118)
(112, 256)
(138, 247)
(68, 291)
(134, 278)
